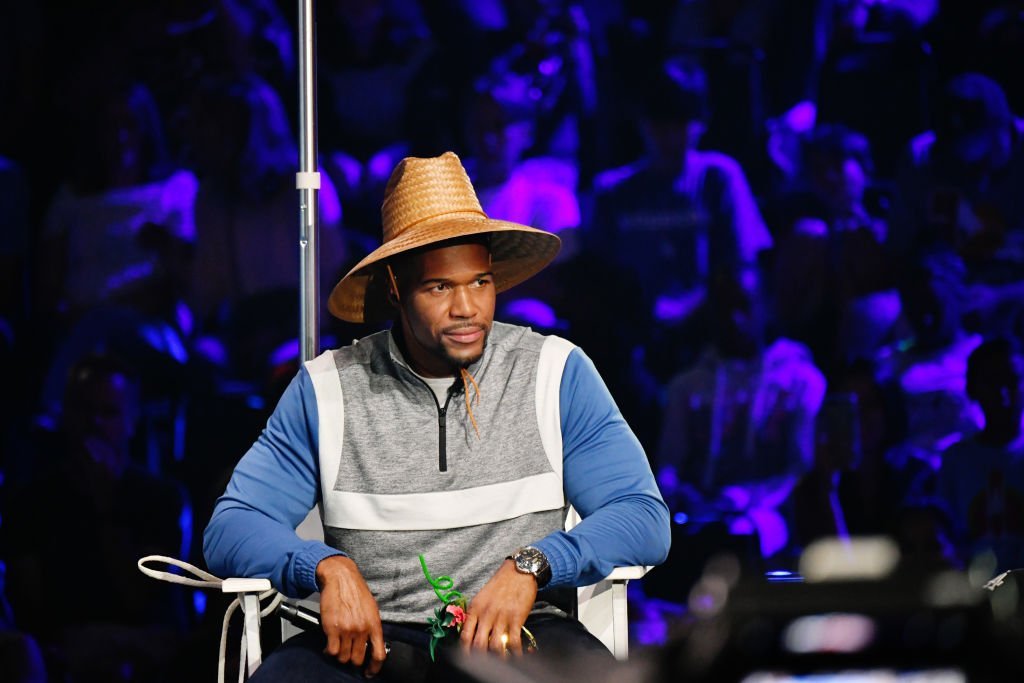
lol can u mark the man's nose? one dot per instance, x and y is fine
(463, 305)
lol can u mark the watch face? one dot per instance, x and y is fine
(530, 560)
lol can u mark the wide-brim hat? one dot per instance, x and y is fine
(428, 201)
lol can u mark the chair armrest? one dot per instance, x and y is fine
(248, 591)
(237, 585)
(627, 573)
(601, 608)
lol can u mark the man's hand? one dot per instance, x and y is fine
(500, 608)
(349, 614)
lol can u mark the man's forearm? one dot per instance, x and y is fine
(241, 542)
(609, 481)
(632, 531)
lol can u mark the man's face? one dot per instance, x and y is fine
(100, 418)
(101, 406)
(447, 308)
(840, 183)
(671, 140)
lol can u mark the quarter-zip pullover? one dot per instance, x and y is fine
(353, 431)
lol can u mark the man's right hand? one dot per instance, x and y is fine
(349, 615)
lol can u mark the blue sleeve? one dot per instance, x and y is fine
(252, 530)
(608, 480)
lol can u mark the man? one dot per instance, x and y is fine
(377, 433)
(83, 479)
(833, 288)
(981, 479)
(958, 185)
(680, 215)
(672, 221)
(958, 190)
(930, 366)
(739, 425)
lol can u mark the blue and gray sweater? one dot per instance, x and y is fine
(399, 473)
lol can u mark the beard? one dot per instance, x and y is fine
(457, 363)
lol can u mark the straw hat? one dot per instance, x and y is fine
(427, 201)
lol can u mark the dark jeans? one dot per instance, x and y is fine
(301, 659)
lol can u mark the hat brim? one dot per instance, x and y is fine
(517, 253)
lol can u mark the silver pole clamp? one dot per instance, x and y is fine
(307, 180)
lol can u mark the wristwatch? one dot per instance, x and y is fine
(530, 560)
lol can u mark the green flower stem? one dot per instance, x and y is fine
(441, 584)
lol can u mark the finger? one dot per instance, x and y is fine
(515, 641)
(378, 652)
(468, 631)
(360, 643)
(481, 641)
(499, 640)
(333, 640)
(345, 652)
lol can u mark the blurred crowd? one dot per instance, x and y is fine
(793, 245)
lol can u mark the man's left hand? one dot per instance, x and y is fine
(500, 608)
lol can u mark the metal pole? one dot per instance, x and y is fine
(308, 184)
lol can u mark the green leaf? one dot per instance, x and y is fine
(433, 646)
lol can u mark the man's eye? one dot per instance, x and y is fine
(483, 281)
(439, 287)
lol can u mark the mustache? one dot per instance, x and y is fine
(463, 326)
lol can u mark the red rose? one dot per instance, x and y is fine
(458, 614)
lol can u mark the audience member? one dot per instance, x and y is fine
(931, 365)
(72, 533)
(1000, 41)
(982, 477)
(111, 249)
(762, 58)
(832, 284)
(114, 228)
(822, 507)
(959, 187)
(178, 44)
(367, 71)
(550, 69)
(680, 215)
(244, 275)
(538, 191)
(864, 476)
(738, 427)
(876, 71)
